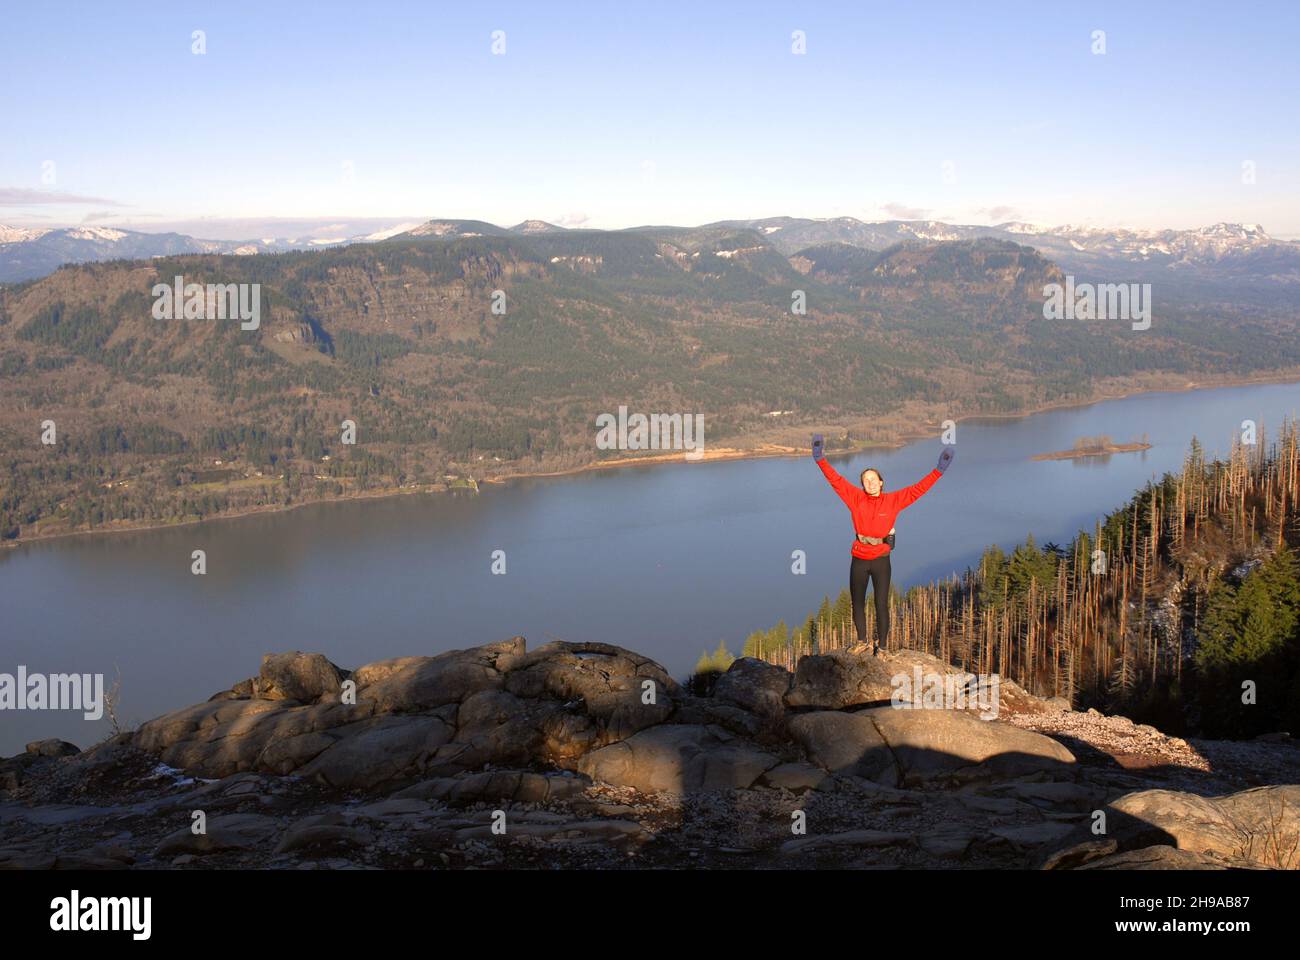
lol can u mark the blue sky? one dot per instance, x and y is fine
(621, 113)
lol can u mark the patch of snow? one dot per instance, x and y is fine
(391, 232)
(95, 233)
(434, 228)
(20, 234)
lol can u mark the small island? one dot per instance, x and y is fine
(1100, 446)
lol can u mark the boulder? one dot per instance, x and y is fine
(606, 680)
(285, 755)
(199, 720)
(221, 749)
(845, 743)
(495, 727)
(1156, 858)
(678, 759)
(708, 711)
(1252, 827)
(372, 673)
(955, 745)
(378, 751)
(755, 685)
(53, 748)
(832, 681)
(221, 737)
(1268, 823)
(1071, 857)
(1181, 820)
(305, 677)
(435, 681)
(852, 677)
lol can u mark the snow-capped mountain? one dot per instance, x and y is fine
(448, 229)
(386, 234)
(19, 234)
(44, 251)
(26, 254)
(536, 226)
(1218, 254)
(1221, 252)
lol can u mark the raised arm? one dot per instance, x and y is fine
(909, 495)
(847, 491)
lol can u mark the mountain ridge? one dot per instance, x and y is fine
(1222, 252)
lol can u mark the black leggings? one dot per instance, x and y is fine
(877, 571)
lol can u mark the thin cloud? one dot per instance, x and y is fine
(24, 197)
(1001, 214)
(572, 220)
(901, 211)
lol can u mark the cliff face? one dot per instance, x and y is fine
(590, 754)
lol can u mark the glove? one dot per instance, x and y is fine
(945, 459)
(818, 443)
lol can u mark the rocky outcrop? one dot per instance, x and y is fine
(754, 685)
(590, 753)
(845, 743)
(1258, 827)
(956, 745)
(679, 758)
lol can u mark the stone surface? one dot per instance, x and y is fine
(755, 685)
(53, 748)
(932, 745)
(1156, 858)
(597, 758)
(223, 833)
(678, 759)
(379, 750)
(845, 743)
(1182, 820)
(306, 677)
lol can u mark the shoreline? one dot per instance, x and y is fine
(763, 450)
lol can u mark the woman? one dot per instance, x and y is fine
(874, 512)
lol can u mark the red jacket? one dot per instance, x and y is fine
(874, 516)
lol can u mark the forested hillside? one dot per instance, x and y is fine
(158, 421)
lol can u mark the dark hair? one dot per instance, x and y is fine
(880, 475)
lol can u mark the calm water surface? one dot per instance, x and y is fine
(666, 560)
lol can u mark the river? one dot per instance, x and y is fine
(666, 560)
